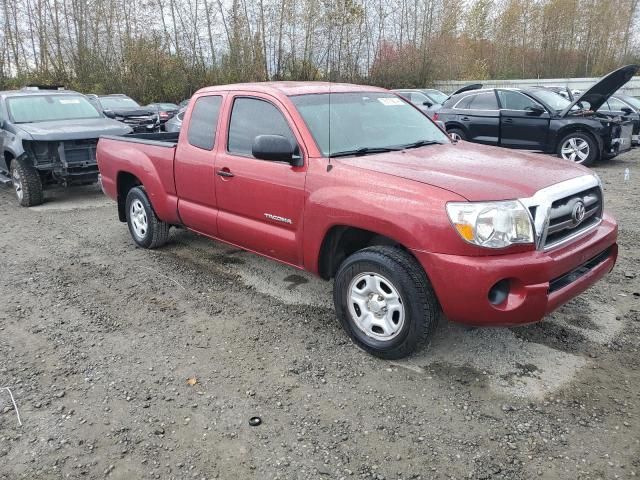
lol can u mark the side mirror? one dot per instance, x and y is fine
(109, 113)
(534, 110)
(626, 110)
(275, 148)
(427, 103)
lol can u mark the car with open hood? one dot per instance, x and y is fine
(126, 110)
(539, 119)
(621, 105)
(352, 183)
(49, 137)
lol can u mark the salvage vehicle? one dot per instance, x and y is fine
(538, 119)
(625, 106)
(165, 111)
(126, 110)
(49, 137)
(354, 183)
(175, 123)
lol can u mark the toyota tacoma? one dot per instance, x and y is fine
(356, 184)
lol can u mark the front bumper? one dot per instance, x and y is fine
(539, 281)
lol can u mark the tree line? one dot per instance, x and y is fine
(158, 50)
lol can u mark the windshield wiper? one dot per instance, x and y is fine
(364, 151)
(421, 143)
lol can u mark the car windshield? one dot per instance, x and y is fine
(47, 108)
(113, 103)
(634, 102)
(365, 122)
(435, 95)
(168, 106)
(554, 100)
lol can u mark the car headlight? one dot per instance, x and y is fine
(492, 224)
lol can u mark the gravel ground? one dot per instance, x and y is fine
(98, 340)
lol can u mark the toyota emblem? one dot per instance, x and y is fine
(578, 212)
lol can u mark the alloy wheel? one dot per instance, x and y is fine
(575, 149)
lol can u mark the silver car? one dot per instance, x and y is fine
(175, 123)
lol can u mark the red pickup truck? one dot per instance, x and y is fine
(354, 183)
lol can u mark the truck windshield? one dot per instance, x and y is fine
(47, 108)
(114, 103)
(365, 123)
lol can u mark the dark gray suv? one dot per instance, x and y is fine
(49, 137)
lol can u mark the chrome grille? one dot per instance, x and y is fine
(562, 222)
(552, 210)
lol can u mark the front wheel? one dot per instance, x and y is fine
(384, 301)
(26, 183)
(146, 229)
(579, 148)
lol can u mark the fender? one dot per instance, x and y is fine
(399, 213)
(134, 159)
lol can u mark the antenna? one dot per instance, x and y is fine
(329, 166)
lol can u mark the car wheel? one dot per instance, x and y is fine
(385, 302)
(26, 183)
(146, 229)
(456, 134)
(579, 148)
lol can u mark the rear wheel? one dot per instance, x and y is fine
(26, 183)
(578, 148)
(384, 301)
(146, 229)
(456, 134)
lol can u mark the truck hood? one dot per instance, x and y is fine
(607, 86)
(73, 129)
(475, 172)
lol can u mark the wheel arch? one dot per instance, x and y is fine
(577, 128)
(340, 241)
(125, 181)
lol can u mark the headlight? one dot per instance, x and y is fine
(492, 224)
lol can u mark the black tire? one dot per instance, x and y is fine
(456, 134)
(421, 308)
(155, 232)
(580, 139)
(26, 183)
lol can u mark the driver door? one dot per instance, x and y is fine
(521, 127)
(260, 202)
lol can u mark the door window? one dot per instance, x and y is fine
(251, 117)
(204, 121)
(510, 100)
(484, 101)
(465, 102)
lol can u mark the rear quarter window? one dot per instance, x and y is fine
(204, 122)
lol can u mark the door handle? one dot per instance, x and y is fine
(465, 119)
(225, 172)
(508, 120)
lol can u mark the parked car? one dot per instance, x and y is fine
(175, 123)
(126, 110)
(625, 106)
(49, 137)
(539, 119)
(184, 103)
(379, 198)
(165, 111)
(417, 98)
(436, 96)
(566, 92)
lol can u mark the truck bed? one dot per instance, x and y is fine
(160, 139)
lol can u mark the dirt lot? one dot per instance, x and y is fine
(98, 339)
